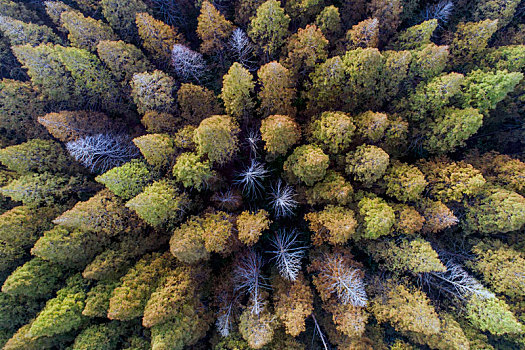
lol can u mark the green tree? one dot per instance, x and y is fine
(334, 224)
(279, 133)
(157, 37)
(333, 189)
(307, 163)
(104, 336)
(329, 21)
(126, 181)
(213, 29)
(71, 125)
(277, 91)
(416, 36)
(158, 149)
(196, 103)
(377, 218)
(35, 155)
(153, 91)
(36, 279)
(160, 204)
(372, 125)
(503, 11)
(367, 164)
(257, 330)
(123, 59)
(20, 33)
(404, 182)
(191, 171)
(428, 61)
(85, 32)
(121, 16)
(237, 91)
(54, 9)
(97, 300)
(470, 40)
(269, 27)
(327, 86)
(216, 137)
(492, 315)
(333, 131)
(187, 242)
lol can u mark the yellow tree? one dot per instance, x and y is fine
(213, 29)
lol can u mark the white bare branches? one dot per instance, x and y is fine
(253, 139)
(318, 332)
(440, 11)
(282, 199)
(344, 281)
(287, 253)
(456, 281)
(248, 278)
(224, 320)
(187, 64)
(251, 178)
(103, 151)
(242, 48)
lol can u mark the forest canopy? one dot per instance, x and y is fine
(262, 174)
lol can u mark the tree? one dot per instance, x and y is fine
(187, 64)
(326, 88)
(191, 171)
(62, 313)
(257, 330)
(121, 16)
(406, 308)
(71, 125)
(470, 40)
(269, 27)
(497, 210)
(158, 149)
(216, 137)
(160, 204)
(241, 48)
(19, 103)
(54, 9)
(187, 242)
(103, 336)
(20, 33)
(287, 254)
(123, 59)
(372, 125)
(364, 34)
(237, 91)
(307, 163)
(129, 299)
(333, 189)
(277, 91)
(492, 315)
(417, 36)
(85, 32)
(376, 218)
(35, 155)
(97, 300)
(160, 122)
(153, 91)
(451, 335)
(36, 279)
(367, 163)
(293, 303)
(334, 224)
(437, 216)
(404, 182)
(102, 152)
(415, 256)
(103, 213)
(429, 61)
(196, 103)
(158, 38)
(250, 226)
(329, 21)
(306, 48)
(126, 181)
(279, 133)
(213, 29)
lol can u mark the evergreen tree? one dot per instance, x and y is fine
(307, 163)
(71, 125)
(153, 91)
(158, 149)
(20, 33)
(216, 137)
(237, 91)
(85, 32)
(213, 29)
(121, 16)
(123, 59)
(35, 155)
(269, 27)
(191, 171)
(196, 103)
(127, 180)
(279, 133)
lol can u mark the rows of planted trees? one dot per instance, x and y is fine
(251, 174)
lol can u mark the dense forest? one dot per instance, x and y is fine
(262, 174)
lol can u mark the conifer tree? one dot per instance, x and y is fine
(333, 189)
(329, 21)
(213, 29)
(20, 33)
(404, 182)
(417, 36)
(123, 59)
(429, 61)
(388, 12)
(196, 103)
(126, 181)
(153, 91)
(71, 125)
(121, 16)
(279, 133)
(376, 218)
(97, 300)
(334, 224)
(293, 303)
(364, 34)
(85, 32)
(307, 163)
(191, 171)
(269, 27)
(237, 91)
(367, 163)
(470, 40)
(277, 92)
(159, 150)
(161, 123)
(250, 226)
(35, 155)
(216, 137)
(437, 216)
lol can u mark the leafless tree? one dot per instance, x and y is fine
(287, 253)
(189, 65)
(440, 11)
(242, 49)
(248, 278)
(282, 199)
(253, 139)
(102, 152)
(251, 178)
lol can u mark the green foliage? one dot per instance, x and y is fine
(279, 133)
(257, 330)
(35, 155)
(307, 163)
(503, 11)
(158, 149)
(435, 94)
(269, 27)
(237, 88)
(62, 313)
(511, 58)
(333, 131)
(103, 336)
(329, 21)
(417, 36)
(20, 33)
(121, 16)
(153, 91)
(123, 59)
(85, 32)
(404, 182)
(196, 103)
(492, 315)
(377, 218)
(37, 279)
(126, 181)
(334, 224)
(277, 92)
(160, 204)
(97, 300)
(216, 137)
(333, 189)
(191, 171)
(470, 40)
(367, 163)
(306, 48)
(212, 28)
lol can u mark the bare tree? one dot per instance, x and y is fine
(248, 278)
(440, 11)
(188, 64)
(282, 199)
(102, 152)
(252, 140)
(242, 49)
(287, 253)
(251, 178)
